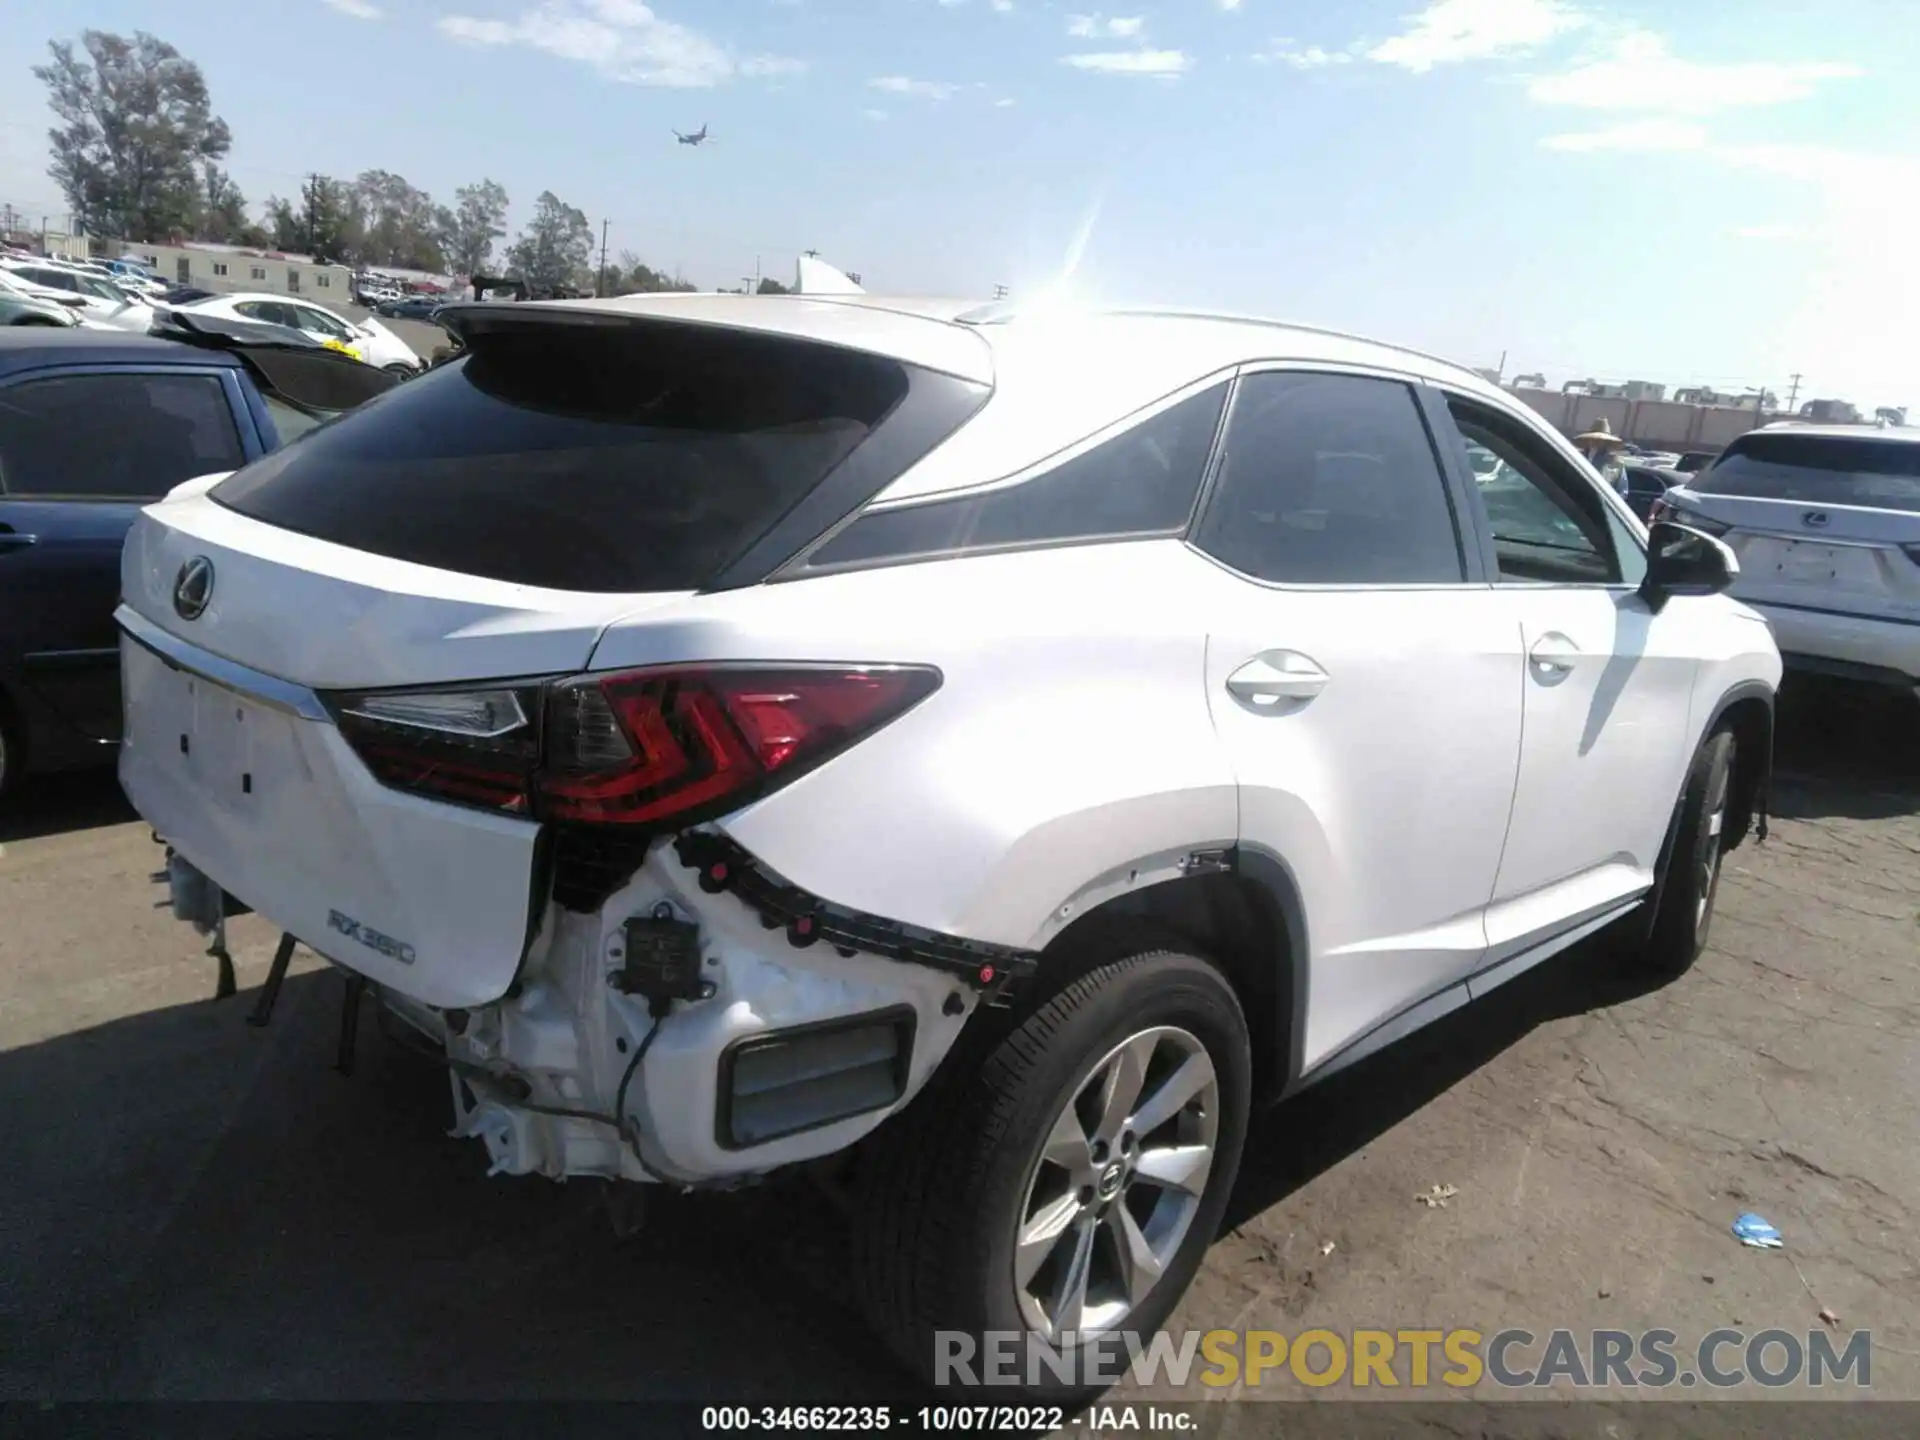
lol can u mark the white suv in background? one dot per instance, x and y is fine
(1006, 747)
(1826, 522)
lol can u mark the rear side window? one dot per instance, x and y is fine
(626, 458)
(113, 436)
(1141, 482)
(1331, 480)
(1819, 470)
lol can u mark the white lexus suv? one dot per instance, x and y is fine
(998, 748)
(1825, 521)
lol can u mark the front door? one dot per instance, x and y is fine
(1608, 687)
(1366, 684)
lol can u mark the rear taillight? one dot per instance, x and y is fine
(640, 747)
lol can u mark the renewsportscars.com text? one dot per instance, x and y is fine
(1414, 1359)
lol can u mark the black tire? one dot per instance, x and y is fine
(938, 1203)
(404, 372)
(1683, 903)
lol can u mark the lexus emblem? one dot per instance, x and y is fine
(193, 588)
(1815, 519)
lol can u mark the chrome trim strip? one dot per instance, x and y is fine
(256, 685)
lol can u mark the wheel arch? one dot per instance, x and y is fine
(1242, 911)
(1747, 710)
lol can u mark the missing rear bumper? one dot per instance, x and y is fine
(808, 920)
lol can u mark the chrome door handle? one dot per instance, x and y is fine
(1277, 675)
(13, 540)
(1554, 654)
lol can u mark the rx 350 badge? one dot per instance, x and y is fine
(366, 935)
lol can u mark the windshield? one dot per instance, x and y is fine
(1820, 470)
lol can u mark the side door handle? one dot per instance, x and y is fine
(11, 539)
(1275, 676)
(1554, 655)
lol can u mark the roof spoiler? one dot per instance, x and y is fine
(816, 277)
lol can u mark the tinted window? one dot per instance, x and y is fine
(1820, 470)
(1331, 480)
(290, 422)
(133, 436)
(636, 457)
(318, 322)
(1141, 482)
(1549, 524)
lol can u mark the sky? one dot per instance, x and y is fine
(1681, 191)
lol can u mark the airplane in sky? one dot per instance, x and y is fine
(698, 137)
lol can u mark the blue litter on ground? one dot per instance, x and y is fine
(1760, 1233)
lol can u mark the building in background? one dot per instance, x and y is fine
(235, 267)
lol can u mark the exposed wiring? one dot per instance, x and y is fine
(658, 1010)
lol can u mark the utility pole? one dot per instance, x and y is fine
(600, 289)
(1793, 394)
(756, 274)
(313, 208)
(1500, 375)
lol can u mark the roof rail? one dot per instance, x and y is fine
(999, 312)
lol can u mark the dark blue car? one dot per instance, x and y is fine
(94, 425)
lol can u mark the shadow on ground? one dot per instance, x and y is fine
(1845, 751)
(196, 1209)
(61, 803)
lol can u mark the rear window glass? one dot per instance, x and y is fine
(630, 458)
(1821, 470)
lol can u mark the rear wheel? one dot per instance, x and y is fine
(1063, 1185)
(1683, 911)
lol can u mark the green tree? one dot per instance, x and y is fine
(555, 250)
(325, 221)
(468, 230)
(632, 276)
(223, 209)
(771, 286)
(399, 225)
(136, 123)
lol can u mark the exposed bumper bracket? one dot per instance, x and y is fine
(807, 919)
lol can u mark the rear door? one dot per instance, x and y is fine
(1608, 684)
(81, 449)
(1366, 684)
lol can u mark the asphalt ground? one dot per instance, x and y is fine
(191, 1208)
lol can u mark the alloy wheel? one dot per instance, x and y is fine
(1117, 1183)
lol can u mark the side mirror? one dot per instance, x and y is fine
(1684, 561)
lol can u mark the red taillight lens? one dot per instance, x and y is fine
(639, 747)
(677, 744)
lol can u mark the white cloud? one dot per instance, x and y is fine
(1161, 64)
(622, 39)
(1647, 135)
(1769, 232)
(358, 9)
(922, 89)
(1229, 4)
(1642, 74)
(874, 114)
(1000, 7)
(1098, 27)
(1005, 102)
(1449, 31)
(1311, 57)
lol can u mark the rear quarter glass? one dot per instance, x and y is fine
(631, 459)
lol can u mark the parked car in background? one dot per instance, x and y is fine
(1691, 462)
(1643, 485)
(93, 425)
(1826, 522)
(103, 302)
(24, 310)
(412, 307)
(718, 725)
(368, 340)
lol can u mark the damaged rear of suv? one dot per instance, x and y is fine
(741, 731)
